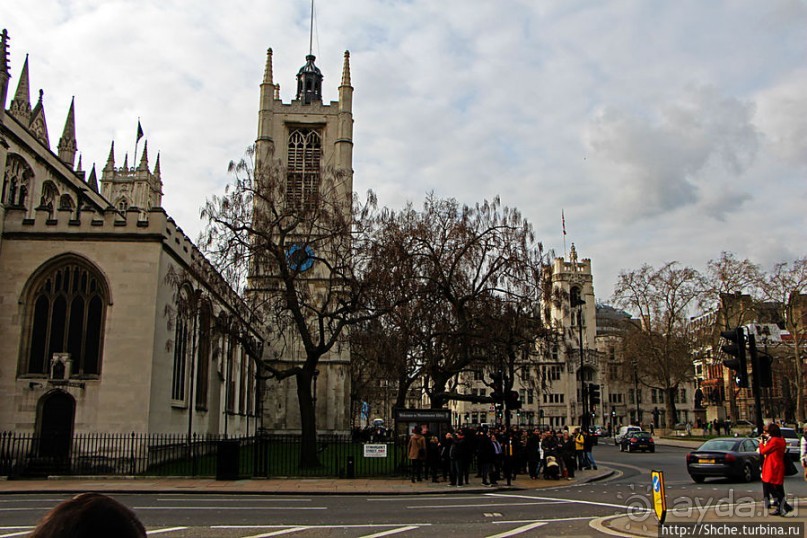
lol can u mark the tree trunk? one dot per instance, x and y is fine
(671, 410)
(308, 427)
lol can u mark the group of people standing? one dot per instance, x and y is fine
(499, 453)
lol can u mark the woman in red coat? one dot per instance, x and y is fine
(773, 449)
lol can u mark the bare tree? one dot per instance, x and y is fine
(786, 287)
(661, 346)
(305, 265)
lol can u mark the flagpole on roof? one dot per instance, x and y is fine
(138, 137)
(563, 221)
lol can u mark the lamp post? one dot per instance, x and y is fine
(314, 396)
(577, 302)
(636, 390)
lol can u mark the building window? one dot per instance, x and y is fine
(182, 344)
(530, 397)
(66, 311)
(203, 361)
(16, 181)
(303, 176)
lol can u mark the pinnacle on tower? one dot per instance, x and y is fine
(157, 165)
(92, 181)
(38, 126)
(110, 161)
(126, 161)
(346, 69)
(144, 160)
(67, 143)
(5, 75)
(21, 104)
(267, 73)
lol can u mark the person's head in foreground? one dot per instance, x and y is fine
(89, 515)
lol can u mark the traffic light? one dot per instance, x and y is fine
(512, 400)
(593, 394)
(736, 349)
(497, 386)
(760, 364)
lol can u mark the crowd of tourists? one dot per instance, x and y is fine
(496, 453)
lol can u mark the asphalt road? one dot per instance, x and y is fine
(559, 511)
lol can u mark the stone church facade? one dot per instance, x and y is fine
(112, 320)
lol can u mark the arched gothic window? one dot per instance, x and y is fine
(65, 312)
(16, 181)
(183, 334)
(304, 161)
(66, 203)
(49, 195)
(203, 366)
(122, 204)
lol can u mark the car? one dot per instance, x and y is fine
(791, 439)
(623, 431)
(725, 457)
(638, 441)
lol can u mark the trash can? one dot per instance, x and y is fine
(351, 467)
(227, 459)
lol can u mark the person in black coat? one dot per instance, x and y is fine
(568, 454)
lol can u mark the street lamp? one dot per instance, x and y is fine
(576, 302)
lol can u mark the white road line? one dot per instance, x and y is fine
(277, 533)
(167, 529)
(234, 500)
(391, 531)
(358, 526)
(550, 520)
(23, 533)
(487, 505)
(570, 501)
(224, 508)
(519, 530)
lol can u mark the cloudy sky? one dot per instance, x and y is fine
(665, 130)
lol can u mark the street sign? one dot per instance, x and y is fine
(659, 495)
(375, 450)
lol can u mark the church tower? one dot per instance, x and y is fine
(303, 162)
(132, 187)
(573, 316)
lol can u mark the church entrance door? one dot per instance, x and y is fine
(56, 416)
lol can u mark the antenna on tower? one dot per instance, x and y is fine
(311, 32)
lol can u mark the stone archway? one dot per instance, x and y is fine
(57, 411)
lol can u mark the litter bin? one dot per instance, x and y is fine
(227, 459)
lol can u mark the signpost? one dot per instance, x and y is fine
(659, 495)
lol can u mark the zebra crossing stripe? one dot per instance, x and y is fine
(277, 533)
(518, 530)
(167, 529)
(391, 531)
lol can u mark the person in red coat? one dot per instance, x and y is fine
(773, 449)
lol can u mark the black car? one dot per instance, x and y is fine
(725, 457)
(638, 441)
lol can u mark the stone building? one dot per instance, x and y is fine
(304, 152)
(112, 319)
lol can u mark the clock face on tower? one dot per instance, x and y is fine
(300, 258)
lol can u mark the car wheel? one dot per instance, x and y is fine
(698, 479)
(748, 473)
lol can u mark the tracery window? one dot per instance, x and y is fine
(303, 176)
(66, 311)
(49, 195)
(183, 332)
(66, 203)
(16, 181)
(203, 366)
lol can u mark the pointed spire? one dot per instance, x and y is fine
(157, 165)
(38, 126)
(126, 161)
(93, 179)
(78, 166)
(67, 143)
(21, 104)
(110, 161)
(277, 91)
(144, 160)
(346, 69)
(5, 74)
(267, 72)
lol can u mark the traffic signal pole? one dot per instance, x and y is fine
(756, 371)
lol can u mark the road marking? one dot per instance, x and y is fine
(487, 505)
(23, 533)
(167, 529)
(357, 526)
(224, 508)
(492, 514)
(233, 500)
(391, 531)
(561, 500)
(278, 533)
(519, 530)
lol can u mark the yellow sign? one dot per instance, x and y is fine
(659, 495)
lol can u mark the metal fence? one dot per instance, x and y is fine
(261, 455)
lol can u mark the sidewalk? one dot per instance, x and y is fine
(278, 486)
